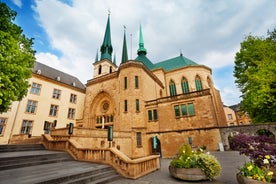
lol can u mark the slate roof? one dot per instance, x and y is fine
(55, 74)
(143, 59)
(174, 63)
(235, 107)
(167, 65)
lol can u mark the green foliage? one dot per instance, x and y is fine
(197, 159)
(209, 164)
(16, 59)
(251, 170)
(255, 73)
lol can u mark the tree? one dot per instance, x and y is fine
(255, 72)
(16, 59)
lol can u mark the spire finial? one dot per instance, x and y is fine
(141, 49)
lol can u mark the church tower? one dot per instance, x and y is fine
(105, 65)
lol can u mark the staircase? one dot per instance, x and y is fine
(33, 164)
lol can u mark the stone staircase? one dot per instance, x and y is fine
(33, 164)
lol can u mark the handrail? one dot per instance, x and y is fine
(129, 168)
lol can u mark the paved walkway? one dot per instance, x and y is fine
(230, 162)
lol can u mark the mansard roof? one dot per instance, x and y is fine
(57, 75)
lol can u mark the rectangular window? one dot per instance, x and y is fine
(53, 110)
(176, 111)
(229, 116)
(71, 113)
(184, 110)
(136, 82)
(125, 105)
(155, 115)
(26, 127)
(149, 115)
(3, 122)
(31, 106)
(35, 88)
(73, 98)
(56, 93)
(125, 82)
(191, 109)
(139, 139)
(137, 105)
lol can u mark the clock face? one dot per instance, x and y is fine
(105, 106)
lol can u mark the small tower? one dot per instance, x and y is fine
(105, 65)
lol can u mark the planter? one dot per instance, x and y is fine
(192, 174)
(244, 180)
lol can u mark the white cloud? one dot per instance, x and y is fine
(208, 32)
(17, 3)
(230, 95)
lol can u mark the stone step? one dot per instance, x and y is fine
(50, 167)
(33, 158)
(20, 147)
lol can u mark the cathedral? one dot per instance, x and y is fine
(150, 107)
(139, 108)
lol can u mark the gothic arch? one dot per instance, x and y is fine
(102, 111)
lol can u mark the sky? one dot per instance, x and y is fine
(68, 33)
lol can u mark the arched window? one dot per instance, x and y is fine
(172, 88)
(100, 69)
(198, 83)
(110, 69)
(184, 85)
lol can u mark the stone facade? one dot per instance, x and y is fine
(26, 118)
(124, 98)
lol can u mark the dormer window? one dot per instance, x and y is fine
(38, 72)
(58, 78)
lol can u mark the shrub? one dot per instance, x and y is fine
(197, 159)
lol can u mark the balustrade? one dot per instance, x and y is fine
(129, 168)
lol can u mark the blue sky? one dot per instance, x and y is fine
(67, 33)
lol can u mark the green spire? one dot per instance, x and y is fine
(114, 59)
(124, 53)
(141, 49)
(97, 57)
(106, 48)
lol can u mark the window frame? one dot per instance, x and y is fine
(56, 94)
(139, 140)
(31, 106)
(73, 98)
(3, 124)
(71, 113)
(137, 105)
(198, 83)
(172, 88)
(125, 82)
(27, 129)
(185, 85)
(35, 88)
(125, 106)
(53, 111)
(136, 78)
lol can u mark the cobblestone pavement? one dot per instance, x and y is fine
(230, 162)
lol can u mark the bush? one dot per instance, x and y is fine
(197, 159)
(255, 147)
